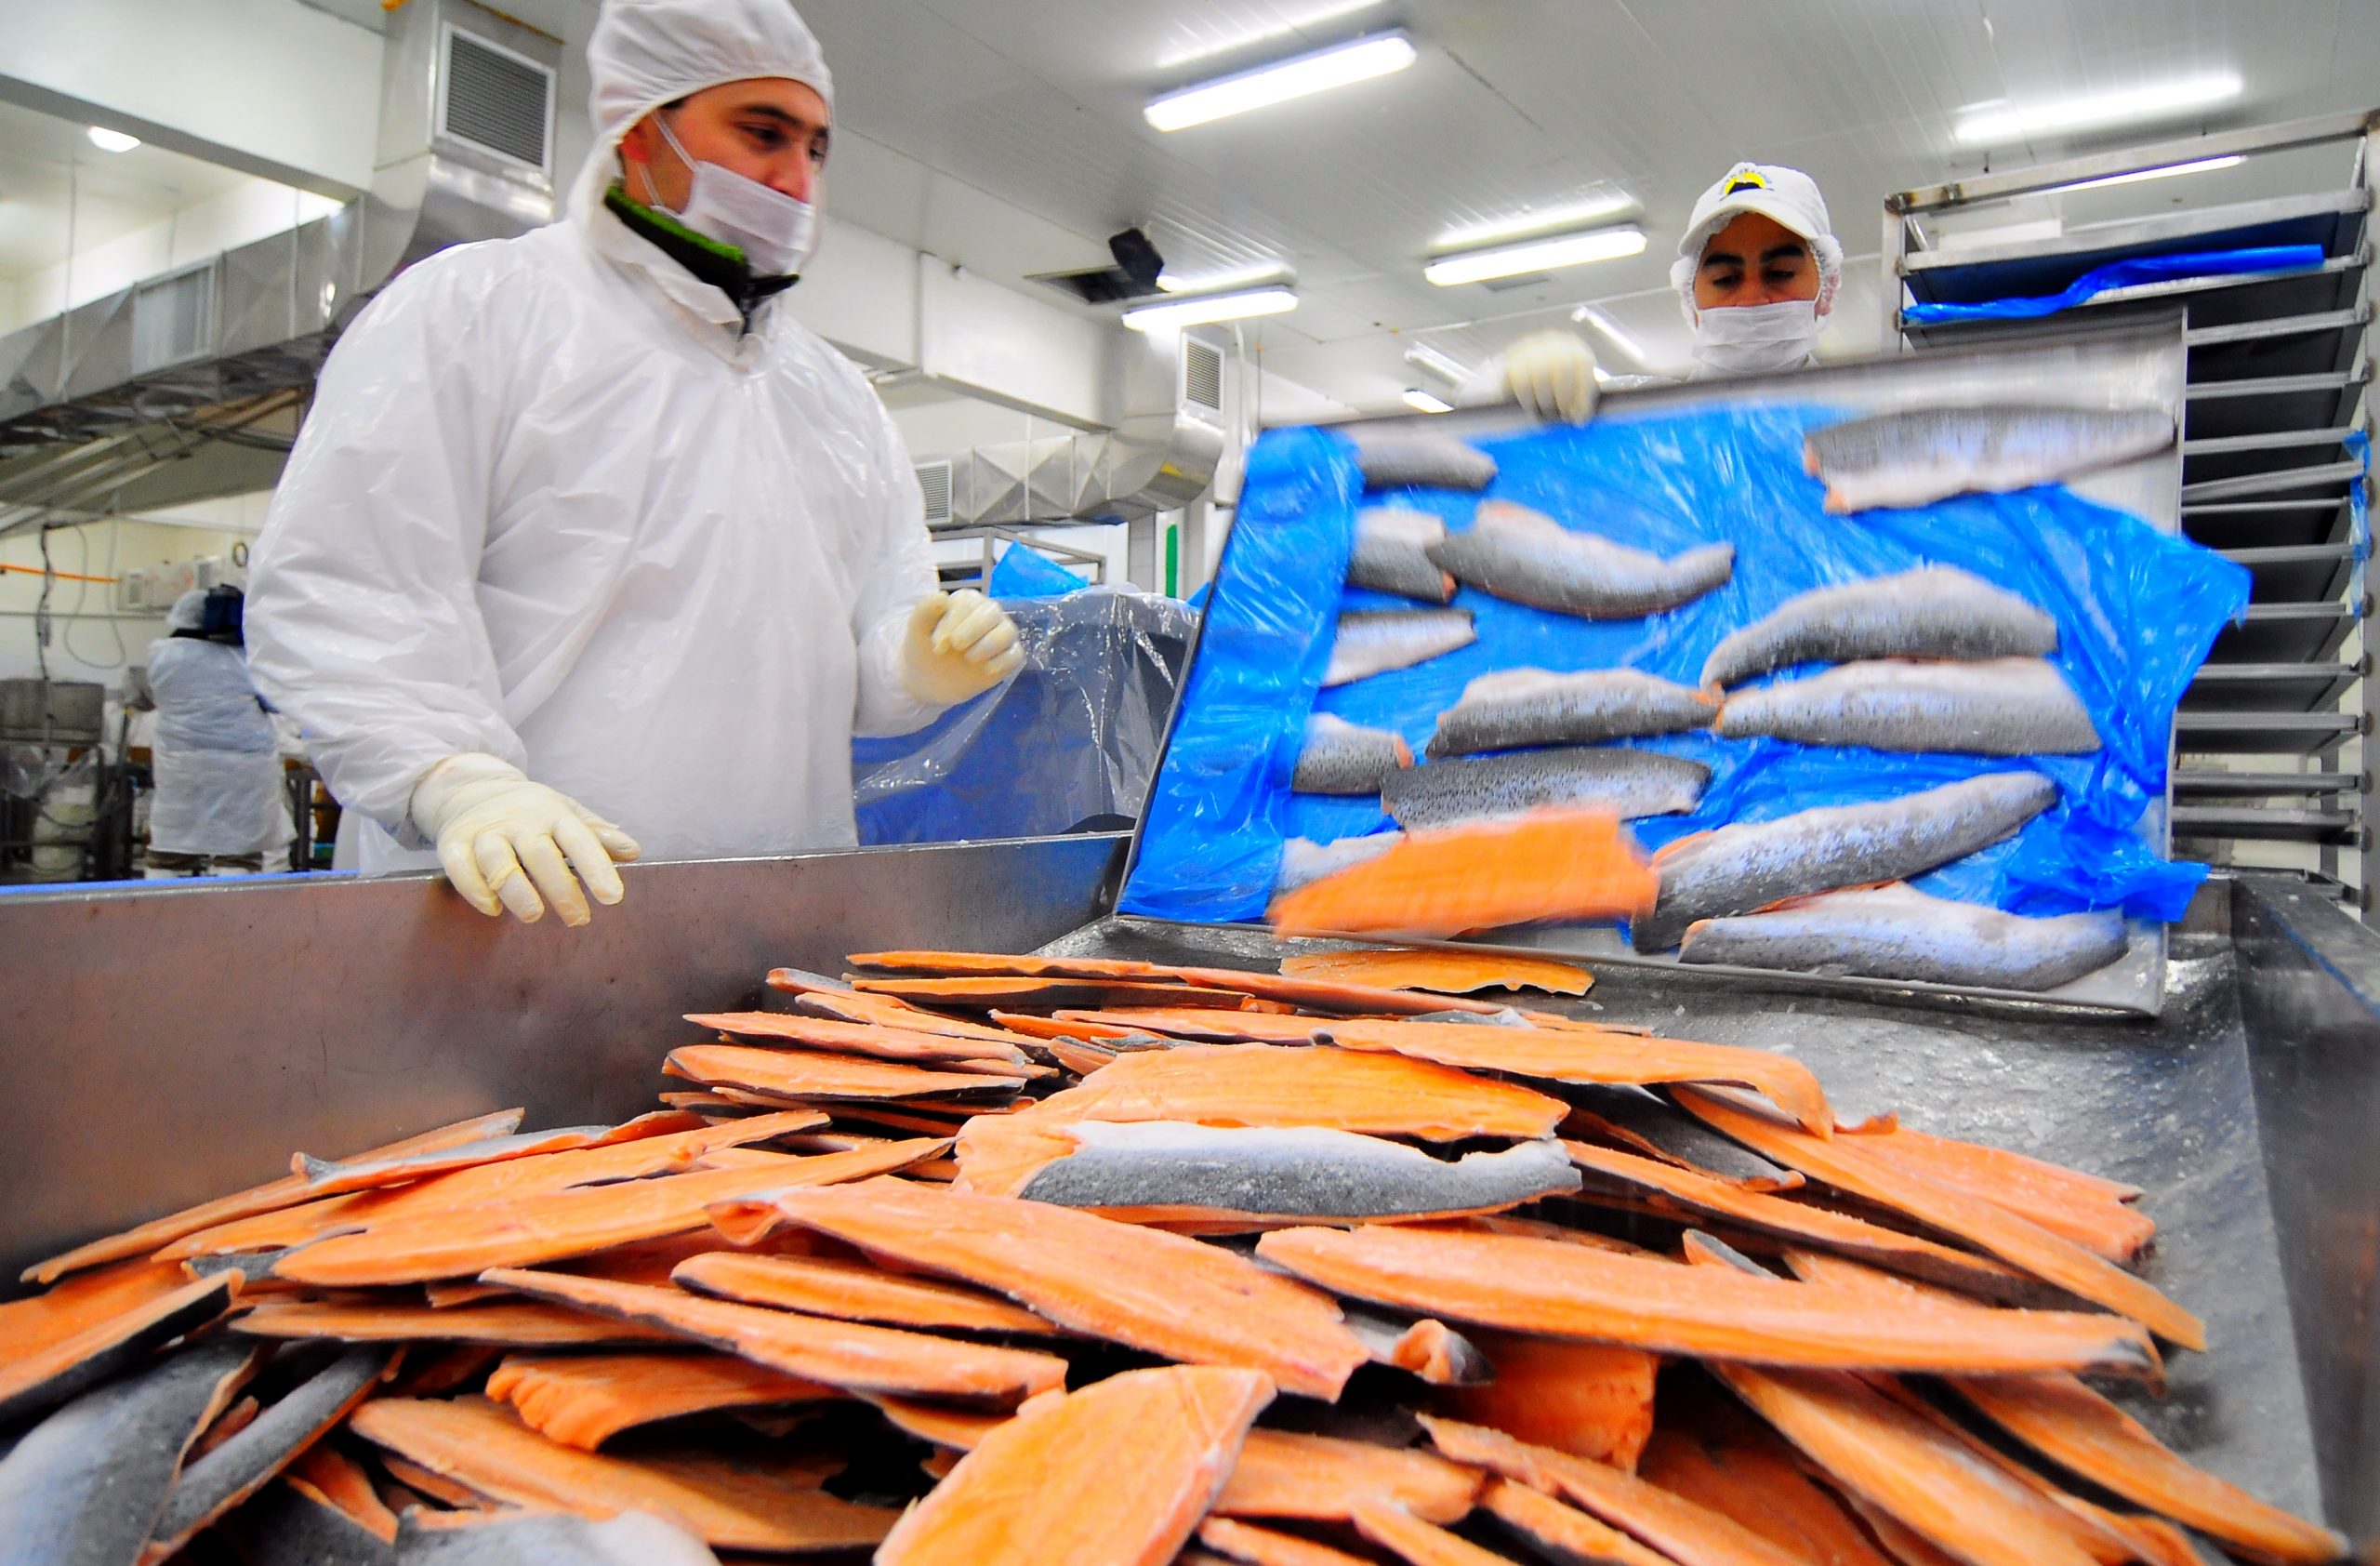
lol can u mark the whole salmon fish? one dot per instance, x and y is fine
(1899, 932)
(1342, 758)
(1627, 783)
(1375, 640)
(1389, 558)
(1916, 457)
(1749, 866)
(2002, 707)
(1528, 557)
(1522, 707)
(1933, 612)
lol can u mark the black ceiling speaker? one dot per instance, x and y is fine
(1134, 276)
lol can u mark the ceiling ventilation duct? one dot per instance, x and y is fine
(1160, 456)
(466, 152)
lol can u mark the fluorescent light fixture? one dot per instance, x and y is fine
(1207, 308)
(1589, 315)
(108, 140)
(1426, 401)
(1537, 255)
(2010, 123)
(2201, 167)
(1422, 356)
(1221, 282)
(1380, 55)
(1570, 215)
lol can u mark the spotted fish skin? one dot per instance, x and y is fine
(1342, 758)
(1528, 557)
(2001, 706)
(1372, 642)
(1422, 460)
(1933, 612)
(1302, 859)
(1752, 866)
(1288, 1173)
(1522, 707)
(1899, 932)
(1628, 783)
(1389, 558)
(1916, 457)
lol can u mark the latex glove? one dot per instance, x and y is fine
(508, 844)
(959, 645)
(1551, 374)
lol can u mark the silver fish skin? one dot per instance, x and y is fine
(1628, 783)
(1747, 866)
(546, 1538)
(1422, 460)
(1925, 455)
(1373, 642)
(1388, 558)
(1528, 557)
(233, 1471)
(2001, 706)
(1302, 859)
(1339, 757)
(1291, 1173)
(1933, 612)
(1899, 932)
(1522, 707)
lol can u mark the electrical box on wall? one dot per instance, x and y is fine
(152, 589)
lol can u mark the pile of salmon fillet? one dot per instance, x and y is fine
(984, 1258)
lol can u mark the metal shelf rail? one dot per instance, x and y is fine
(2274, 470)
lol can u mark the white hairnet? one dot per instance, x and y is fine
(646, 53)
(189, 611)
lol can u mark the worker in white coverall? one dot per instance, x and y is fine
(584, 527)
(218, 809)
(1756, 272)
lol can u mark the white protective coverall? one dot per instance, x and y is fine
(555, 502)
(217, 769)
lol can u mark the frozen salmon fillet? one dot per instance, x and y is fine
(1550, 866)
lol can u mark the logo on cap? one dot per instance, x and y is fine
(1744, 177)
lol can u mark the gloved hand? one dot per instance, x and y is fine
(959, 645)
(503, 839)
(1551, 374)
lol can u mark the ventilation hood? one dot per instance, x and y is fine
(465, 152)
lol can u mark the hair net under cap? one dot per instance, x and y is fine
(189, 611)
(646, 53)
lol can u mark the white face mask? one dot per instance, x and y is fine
(1744, 340)
(775, 231)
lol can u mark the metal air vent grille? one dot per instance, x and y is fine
(933, 481)
(497, 100)
(173, 318)
(1202, 375)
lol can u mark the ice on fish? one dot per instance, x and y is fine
(1749, 866)
(1420, 459)
(1528, 557)
(1523, 707)
(1627, 783)
(1389, 558)
(1375, 640)
(1916, 457)
(1342, 758)
(1276, 1172)
(2001, 706)
(1302, 859)
(1933, 612)
(1899, 932)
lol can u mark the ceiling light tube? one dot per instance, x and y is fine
(1589, 315)
(1422, 356)
(2011, 123)
(1204, 308)
(108, 140)
(1537, 255)
(2201, 167)
(1426, 401)
(1380, 55)
(1223, 281)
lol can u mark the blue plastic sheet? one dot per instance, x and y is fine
(1024, 572)
(2123, 275)
(2136, 611)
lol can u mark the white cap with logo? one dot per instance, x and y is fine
(1786, 195)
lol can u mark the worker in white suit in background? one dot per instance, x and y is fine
(218, 809)
(584, 527)
(1756, 272)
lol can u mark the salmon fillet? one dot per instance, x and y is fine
(1563, 1532)
(1043, 1486)
(1589, 1400)
(1763, 1490)
(515, 1323)
(854, 1290)
(1324, 991)
(333, 1478)
(1442, 972)
(1548, 866)
(584, 1400)
(55, 1344)
(804, 1074)
(2082, 1207)
(1424, 1544)
(1263, 1547)
(880, 1041)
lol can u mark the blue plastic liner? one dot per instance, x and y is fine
(2123, 275)
(2136, 611)
(1024, 572)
